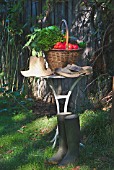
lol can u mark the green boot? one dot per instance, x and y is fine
(62, 150)
(72, 128)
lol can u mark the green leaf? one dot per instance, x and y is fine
(44, 39)
(2, 90)
(110, 7)
(1, 75)
(5, 85)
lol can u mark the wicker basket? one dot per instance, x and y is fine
(57, 58)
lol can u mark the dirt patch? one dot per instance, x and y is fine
(42, 108)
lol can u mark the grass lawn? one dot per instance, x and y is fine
(25, 139)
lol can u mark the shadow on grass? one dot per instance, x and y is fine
(8, 125)
(33, 148)
(97, 136)
(30, 146)
(31, 155)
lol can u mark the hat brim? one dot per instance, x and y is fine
(30, 73)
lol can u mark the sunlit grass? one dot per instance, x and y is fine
(25, 141)
(19, 117)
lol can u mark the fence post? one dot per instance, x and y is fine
(112, 111)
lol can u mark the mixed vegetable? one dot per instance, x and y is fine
(42, 40)
(62, 45)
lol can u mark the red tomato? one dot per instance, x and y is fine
(58, 43)
(64, 43)
(75, 46)
(61, 46)
(55, 47)
(70, 46)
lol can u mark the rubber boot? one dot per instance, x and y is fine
(72, 128)
(62, 150)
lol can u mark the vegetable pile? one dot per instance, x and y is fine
(44, 39)
(62, 46)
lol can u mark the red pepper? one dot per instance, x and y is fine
(75, 46)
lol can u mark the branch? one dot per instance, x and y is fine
(94, 80)
(103, 46)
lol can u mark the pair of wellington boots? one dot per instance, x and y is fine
(69, 139)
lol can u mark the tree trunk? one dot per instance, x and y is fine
(78, 100)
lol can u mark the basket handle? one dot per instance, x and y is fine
(67, 32)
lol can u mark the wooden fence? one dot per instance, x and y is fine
(84, 22)
(69, 11)
(12, 57)
(66, 9)
(60, 10)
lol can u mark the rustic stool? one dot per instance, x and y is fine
(58, 97)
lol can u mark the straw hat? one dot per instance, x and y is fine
(74, 71)
(36, 68)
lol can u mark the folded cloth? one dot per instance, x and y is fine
(64, 70)
(74, 71)
(74, 67)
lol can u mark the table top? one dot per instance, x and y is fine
(54, 76)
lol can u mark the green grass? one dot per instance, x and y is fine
(25, 140)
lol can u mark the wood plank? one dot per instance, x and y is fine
(63, 10)
(112, 111)
(59, 13)
(28, 10)
(70, 11)
(34, 12)
(39, 12)
(53, 15)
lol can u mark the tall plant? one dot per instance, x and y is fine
(11, 43)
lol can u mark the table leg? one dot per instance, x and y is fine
(57, 98)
